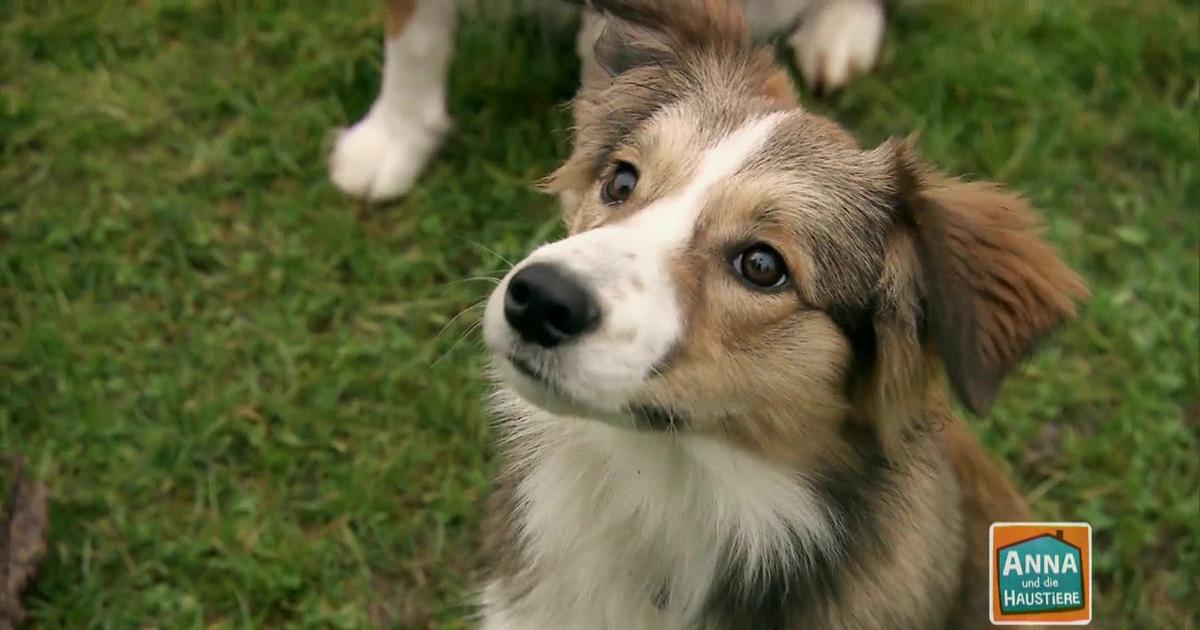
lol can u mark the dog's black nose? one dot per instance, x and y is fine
(547, 306)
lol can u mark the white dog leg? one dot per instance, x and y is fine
(380, 157)
(836, 40)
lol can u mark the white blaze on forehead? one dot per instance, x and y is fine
(627, 266)
(673, 218)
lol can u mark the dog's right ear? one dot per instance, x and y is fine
(640, 33)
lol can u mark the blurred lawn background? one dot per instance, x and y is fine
(248, 394)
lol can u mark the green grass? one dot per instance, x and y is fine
(233, 378)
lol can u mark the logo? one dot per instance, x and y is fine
(1041, 573)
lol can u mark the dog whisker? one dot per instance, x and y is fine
(488, 250)
(475, 326)
(473, 307)
(489, 279)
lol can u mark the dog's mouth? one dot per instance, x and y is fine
(654, 418)
(530, 371)
(551, 390)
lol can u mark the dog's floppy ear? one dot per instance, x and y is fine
(991, 287)
(641, 33)
(623, 46)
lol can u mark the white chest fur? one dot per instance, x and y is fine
(612, 519)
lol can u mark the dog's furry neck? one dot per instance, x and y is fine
(663, 530)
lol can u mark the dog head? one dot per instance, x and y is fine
(740, 267)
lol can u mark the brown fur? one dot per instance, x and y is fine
(987, 497)
(899, 275)
(995, 288)
(396, 16)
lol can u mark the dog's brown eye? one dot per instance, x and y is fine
(761, 266)
(619, 186)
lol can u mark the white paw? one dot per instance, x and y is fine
(840, 39)
(380, 157)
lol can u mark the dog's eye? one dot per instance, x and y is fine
(619, 186)
(761, 266)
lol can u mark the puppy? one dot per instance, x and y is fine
(380, 157)
(723, 396)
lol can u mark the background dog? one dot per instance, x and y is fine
(381, 156)
(723, 399)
